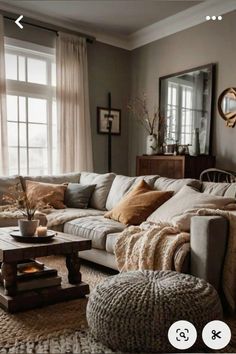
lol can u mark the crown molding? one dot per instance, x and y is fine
(191, 17)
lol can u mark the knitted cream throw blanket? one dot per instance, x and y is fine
(153, 246)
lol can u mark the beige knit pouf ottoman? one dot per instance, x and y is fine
(133, 311)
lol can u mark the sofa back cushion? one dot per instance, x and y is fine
(103, 185)
(220, 189)
(187, 198)
(122, 185)
(171, 184)
(5, 184)
(57, 179)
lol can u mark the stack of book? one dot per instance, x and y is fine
(33, 275)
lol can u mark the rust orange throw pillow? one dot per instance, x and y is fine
(138, 204)
(48, 193)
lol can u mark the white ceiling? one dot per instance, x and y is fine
(127, 24)
(119, 17)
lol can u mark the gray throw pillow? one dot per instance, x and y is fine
(78, 195)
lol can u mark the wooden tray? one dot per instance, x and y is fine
(33, 239)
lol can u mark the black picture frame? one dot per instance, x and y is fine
(102, 126)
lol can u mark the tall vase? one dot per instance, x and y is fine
(151, 144)
(195, 151)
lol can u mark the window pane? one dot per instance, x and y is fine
(12, 134)
(37, 135)
(23, 161)
(13, 159)
(38, 161)
(22, 134)
(11, 107)
(37, 110)
(53, 74)
(22, 109)
(11, 66)
(21, 68)
(37, 71)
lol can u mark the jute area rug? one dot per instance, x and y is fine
(61, 328)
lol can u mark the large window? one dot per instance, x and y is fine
(31, 108)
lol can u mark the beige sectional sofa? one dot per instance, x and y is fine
(208, 234)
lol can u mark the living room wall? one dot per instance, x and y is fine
(210, 42)
(109, 71)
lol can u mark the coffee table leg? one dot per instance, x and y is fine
(73, 266)
(9, 275)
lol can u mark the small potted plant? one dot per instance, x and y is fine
(17, 198)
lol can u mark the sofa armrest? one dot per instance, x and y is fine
(208, 239)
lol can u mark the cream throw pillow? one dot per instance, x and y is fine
(187, 198)
(138, 204)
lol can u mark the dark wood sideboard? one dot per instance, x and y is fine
(180, 166)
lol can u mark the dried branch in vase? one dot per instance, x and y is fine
(17, 199)
(139, 111)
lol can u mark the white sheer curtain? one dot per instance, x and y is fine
(75, 143)
(3, 108)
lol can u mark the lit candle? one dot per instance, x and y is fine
(41, 231)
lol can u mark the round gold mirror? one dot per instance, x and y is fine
(227, 106)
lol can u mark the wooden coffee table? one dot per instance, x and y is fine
(13, 252)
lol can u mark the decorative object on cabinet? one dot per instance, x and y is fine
(227, 106)
(195, 148)
(180, 166)
(185, 100)
(152, 122)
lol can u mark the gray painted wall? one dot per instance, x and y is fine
(109, 70)
(210, 42)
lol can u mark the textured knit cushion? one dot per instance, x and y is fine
(133, 311)
(78, 196)
(52, 194)
(187, 198)
(138, 204)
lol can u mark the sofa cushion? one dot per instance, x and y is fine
(7, 183)
(57, 217)
(94, 228)
(122, 185)
(49, 193)
(58, 179)
(171, 184)
(111, 242)
(138, 204)
(103, 184)
(78, 195)
(221, 189)
(187, 198)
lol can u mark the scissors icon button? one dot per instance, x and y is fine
(215, 334)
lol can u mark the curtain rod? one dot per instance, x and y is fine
(46, 26)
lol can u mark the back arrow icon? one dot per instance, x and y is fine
(17, 22)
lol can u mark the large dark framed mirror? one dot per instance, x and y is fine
(185, 101)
